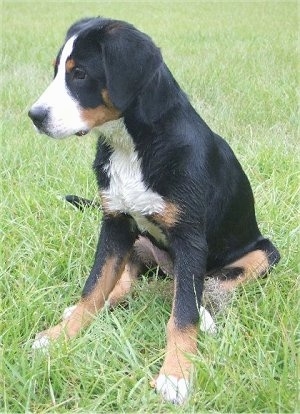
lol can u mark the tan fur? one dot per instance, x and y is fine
(105, 206)
(106, 99)
(179, 343)
(83, 314)
(254, 263)
(125, 284)
(70, 64)
(169, 217)
(102, 113)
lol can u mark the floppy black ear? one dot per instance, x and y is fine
(80, 25)
(130, 61)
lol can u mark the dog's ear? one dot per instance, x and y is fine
(130, 61)
(80, 25)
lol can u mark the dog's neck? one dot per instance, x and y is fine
(115, 134)
(145, 113)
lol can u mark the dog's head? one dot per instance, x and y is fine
(99, 71)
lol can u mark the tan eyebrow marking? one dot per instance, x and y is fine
(70, 64)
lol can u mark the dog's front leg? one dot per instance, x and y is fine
(114, 247)
(182, 328)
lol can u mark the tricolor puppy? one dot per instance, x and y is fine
(163, 176)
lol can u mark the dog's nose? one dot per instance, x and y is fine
(38, 115)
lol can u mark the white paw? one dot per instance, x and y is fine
(42, 342)
(68, 312)
(206, 321)
(172, 389)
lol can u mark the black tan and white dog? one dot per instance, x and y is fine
(167, 183)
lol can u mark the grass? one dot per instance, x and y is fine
(238, 63)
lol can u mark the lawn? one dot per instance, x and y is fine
(238, 63)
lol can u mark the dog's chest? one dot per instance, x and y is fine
(127, 191)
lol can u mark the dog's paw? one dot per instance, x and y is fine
(172, 389)
(207, 323)
(41, 342)
(44, 339)
(68, 312)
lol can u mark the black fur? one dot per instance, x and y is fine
(182, 160)
(81, 203)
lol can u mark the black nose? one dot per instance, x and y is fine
(38, 115)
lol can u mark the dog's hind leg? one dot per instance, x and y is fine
(252, 265)
(221, 283)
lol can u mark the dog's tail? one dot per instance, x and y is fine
(82, 203)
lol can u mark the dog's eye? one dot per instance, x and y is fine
(79, 73)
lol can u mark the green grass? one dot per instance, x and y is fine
(238, 63)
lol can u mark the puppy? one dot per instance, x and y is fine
(162, 174)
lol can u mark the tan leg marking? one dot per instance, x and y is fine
(254, 264)
(87, 307)
(125, 284)
(179, 342)
(173, 381)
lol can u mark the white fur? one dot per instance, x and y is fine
(127, 191)
(206, 321)
(64, 117)
(41, 343)
(172, 389)
(68, 312)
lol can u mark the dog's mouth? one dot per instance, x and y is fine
(82, 133)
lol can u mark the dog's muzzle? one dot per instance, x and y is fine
(38, 116)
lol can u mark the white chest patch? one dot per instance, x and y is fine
(127, 191)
